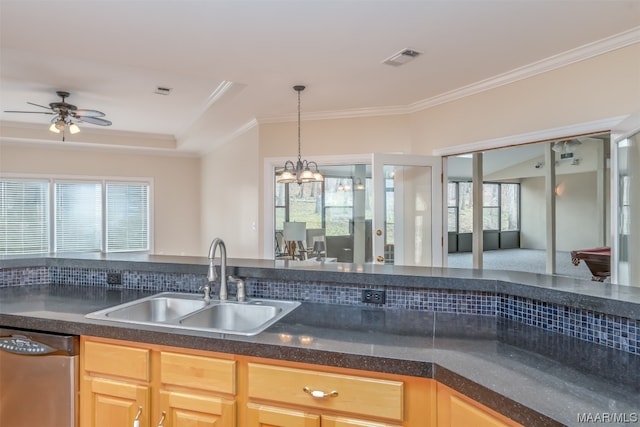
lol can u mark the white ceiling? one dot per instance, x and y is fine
(111, 55)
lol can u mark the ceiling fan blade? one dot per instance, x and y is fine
(88, 113)
(38, 105)
(33, 112)
(94, 120)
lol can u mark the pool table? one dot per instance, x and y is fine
(597, 259)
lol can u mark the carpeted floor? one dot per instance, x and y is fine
(529, 260)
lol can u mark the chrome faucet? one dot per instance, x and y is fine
(212, 276)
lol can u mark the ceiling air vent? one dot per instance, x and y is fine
(402, 57)
(161, 90)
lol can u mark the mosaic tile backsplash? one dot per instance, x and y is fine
(597, 328)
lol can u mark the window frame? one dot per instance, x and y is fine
(499, 206)
(57, 178)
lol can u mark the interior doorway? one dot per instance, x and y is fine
(382, 209)
(515, 205)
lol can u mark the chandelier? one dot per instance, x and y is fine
(302, 171)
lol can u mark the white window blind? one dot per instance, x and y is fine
(127, 217)
(24, 217)
(78, 217)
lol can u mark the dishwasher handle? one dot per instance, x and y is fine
(20, 344)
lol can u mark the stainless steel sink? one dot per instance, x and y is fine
(160, 309)
(191, 311)
(240, 318)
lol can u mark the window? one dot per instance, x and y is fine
(501, 206)
(328, 205)
(338, 206)
(24, 217)
(465, 207)
(509, 207)
(61, 215)
(127, 217)
(78, 216)
(452, 206)
(305, 204)
(490, 206)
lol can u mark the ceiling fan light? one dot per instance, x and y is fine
(53, 128)
(60, 124)
(73, 128)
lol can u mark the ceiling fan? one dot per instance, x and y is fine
(66, 115)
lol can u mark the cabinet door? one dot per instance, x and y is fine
(331, 421)
(457, 410)
(108, 403)
(269, 416)
(195, 410)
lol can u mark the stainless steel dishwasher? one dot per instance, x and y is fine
(38, 379)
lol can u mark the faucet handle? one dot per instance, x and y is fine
(241, 293)
(207, 292)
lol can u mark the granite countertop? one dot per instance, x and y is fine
(531, 375)
(603, 297)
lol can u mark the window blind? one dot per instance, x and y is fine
(24, 217)
(127, 219)
(78, 217)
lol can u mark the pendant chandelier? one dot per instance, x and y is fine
(302, 171)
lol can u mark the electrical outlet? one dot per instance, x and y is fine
(114, 278)
(373, 296)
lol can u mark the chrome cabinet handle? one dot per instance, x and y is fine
(320, 394)
(162, 418)
(136, 420)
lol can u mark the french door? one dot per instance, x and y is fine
(626, 207)
(407, 210)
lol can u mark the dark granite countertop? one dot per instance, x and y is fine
(533, 376)
(602, 297)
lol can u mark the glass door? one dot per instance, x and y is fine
(407, 214)
(627, 237)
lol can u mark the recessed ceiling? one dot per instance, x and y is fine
(113, 55)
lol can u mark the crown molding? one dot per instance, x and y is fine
(596, 126)
(551, 63)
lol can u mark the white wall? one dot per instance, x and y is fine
(230, 203)
(176, 183)
(598, 88)
(576, 219)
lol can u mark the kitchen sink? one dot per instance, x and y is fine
(159, 309)
(242, 318)
(191, 311)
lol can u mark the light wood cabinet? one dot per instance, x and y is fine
(122, 381)
(303, 395)
(110, 403)
(457, 410)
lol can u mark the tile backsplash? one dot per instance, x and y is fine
(598, 328)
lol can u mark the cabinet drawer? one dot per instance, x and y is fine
(358, 395)
(117, 360)
(198, 372)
